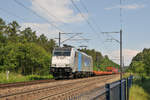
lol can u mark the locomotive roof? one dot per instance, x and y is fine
(69, 48)
(83, 53)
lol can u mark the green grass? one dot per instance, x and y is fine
(126, 75)
(14, 77)
(138, 93)
(38, 77)
(140, 90)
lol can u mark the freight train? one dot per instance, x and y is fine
(68, 62)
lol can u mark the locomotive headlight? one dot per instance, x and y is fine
(67, 65)
(53, 65)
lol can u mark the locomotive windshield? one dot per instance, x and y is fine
(62, 52)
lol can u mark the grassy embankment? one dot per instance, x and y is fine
(13, 77)
(140, 90)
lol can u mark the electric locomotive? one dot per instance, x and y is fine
(68, 62)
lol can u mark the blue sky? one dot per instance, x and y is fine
(103, 15)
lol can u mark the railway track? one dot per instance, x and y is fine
(69, 93)
(19, 84)
(51, 92)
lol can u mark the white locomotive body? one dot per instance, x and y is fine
(69, 62)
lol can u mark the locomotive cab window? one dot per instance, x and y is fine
(61, 53)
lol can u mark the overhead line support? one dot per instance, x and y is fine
(120, 49)
(70, 38)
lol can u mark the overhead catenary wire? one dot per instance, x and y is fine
(86, 9)
(49, 13)
(89, 24)
(33, 12)
(95, 23)
(52, 15)
(87, 21)
(98, 27)
(13, 14)
(19, 3)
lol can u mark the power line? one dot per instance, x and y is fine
(83, 16)
(33, 12)
(50, 14)
(84, 6)
(8, 12)
(57, 18)
(14, 15)
(86, 9)
(94, 22)
(89, 24)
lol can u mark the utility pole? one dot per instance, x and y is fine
(120, 42)
(59, 38)
(121, 54)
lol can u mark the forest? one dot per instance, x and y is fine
(23, 52)
(141, 63)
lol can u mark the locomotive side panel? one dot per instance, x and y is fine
(75, 63)
(87, 63)
(80, 62)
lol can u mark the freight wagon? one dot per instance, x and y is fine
(109, 71)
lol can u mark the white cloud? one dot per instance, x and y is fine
(45, 29)
(128, 54)
(56, 10)
(128, 7)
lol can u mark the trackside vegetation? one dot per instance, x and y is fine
(14, 77)
(140, 90)
(140, 67)
(27, 56)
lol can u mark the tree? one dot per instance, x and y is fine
(26, 59)
(21, 51)
(50, 45)
(141, 63)
(12, 30)
(28, 35)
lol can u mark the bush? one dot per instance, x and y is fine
(14, 77)
(38, 77)
(138, 93)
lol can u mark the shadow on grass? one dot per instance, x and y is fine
(145, 84)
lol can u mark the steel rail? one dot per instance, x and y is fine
(50, 87)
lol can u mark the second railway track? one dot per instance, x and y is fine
(55, 91)
(19, 84)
